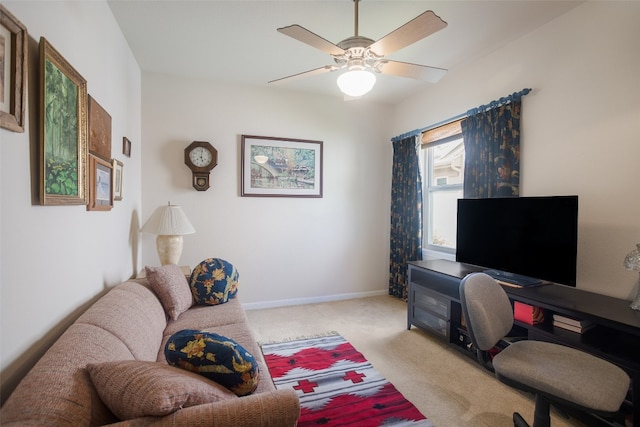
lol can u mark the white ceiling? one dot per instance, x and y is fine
(237, 42)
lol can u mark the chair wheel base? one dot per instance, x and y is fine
(518, 421)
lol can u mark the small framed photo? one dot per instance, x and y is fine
(100, 184)
(126, 146)
(118, 169)
(13, 71)
(281, 167)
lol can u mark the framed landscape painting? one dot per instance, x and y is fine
(63, 130)
(281, 167)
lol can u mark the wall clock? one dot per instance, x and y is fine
(200, 157)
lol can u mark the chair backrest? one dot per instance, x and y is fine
(486, 308)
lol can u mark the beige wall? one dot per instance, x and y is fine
(582, 120)
(287, 250)
(580, 125)
(56, 259)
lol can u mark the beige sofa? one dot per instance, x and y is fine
(129, 323)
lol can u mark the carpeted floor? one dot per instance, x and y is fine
(446, 386)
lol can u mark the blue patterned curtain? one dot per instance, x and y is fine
(406, 214)
(492, 152)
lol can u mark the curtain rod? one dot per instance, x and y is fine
(493, 104)
(502, 101)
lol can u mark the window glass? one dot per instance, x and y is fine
(444, 205)
(443, 172)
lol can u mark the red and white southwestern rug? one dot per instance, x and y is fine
(337, 386)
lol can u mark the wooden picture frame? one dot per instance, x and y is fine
(100, 184)
(280, 167)
(118, 176)
(126, 146)
(99, 130)
(63, 130)
(14, 56)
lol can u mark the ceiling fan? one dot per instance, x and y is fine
(363, 57)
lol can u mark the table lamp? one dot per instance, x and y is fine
(632, 262)
(169, 223)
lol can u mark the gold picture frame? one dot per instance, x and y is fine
(100, 184)
(13, 71)
(63, 130)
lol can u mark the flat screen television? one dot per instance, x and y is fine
(530, 236)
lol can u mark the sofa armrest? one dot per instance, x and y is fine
(279, 408)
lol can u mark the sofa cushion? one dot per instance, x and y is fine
(133, 389)
(214, 281)
(58, 391)
(130, 303)
(172, 288)
(218, 358)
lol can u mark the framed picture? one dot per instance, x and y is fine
(281, 167)
(100, 185)
(126, 146)
(118, 169)
(99, 130)
(63, 130)
(13, 71)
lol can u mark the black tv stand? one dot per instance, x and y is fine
(434, 306)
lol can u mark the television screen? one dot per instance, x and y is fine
(531, 236)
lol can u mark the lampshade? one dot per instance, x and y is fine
(356, 82)
(169, 223)
(168, 220)
(632, 260)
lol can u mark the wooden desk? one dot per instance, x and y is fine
(434, 305)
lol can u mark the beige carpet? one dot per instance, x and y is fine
(446, 386)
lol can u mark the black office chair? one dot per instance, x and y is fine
(554, 373)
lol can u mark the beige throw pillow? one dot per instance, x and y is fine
(172, 288)
(133, 388)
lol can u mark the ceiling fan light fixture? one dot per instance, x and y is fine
(356, 82)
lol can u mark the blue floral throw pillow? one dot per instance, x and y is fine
(214, 281)
(218, 358)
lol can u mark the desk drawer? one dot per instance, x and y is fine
(432, 302)
(430, 321)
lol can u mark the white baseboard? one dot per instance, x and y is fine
(312, 300)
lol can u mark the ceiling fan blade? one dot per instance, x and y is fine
(412, 71)
(309, 73)
(312, 39)
(418, 28)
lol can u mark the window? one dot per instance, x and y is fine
(442, 161)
